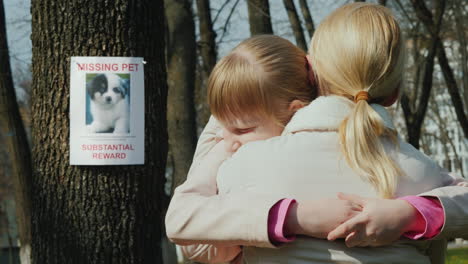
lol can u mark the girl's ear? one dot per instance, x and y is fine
(295, 105)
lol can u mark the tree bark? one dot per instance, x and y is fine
(181, 54)
(460, 23)
(208, 52)
(95, 214)
(16, 142)
(259, 17)
(414, 118)
(307, 18)
(432, 26)
(295, 24)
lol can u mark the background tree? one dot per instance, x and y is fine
(415, 102)
(433, 27)
(307, 17)
(259, 17)
(181, 54)
(295, 24)
(208, 52)
(13, 136)
(461, 24)
(95, 214)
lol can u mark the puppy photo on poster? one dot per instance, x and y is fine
(108, 103)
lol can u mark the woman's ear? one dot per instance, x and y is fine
(295, 105)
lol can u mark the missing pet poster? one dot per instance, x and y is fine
(107, 111)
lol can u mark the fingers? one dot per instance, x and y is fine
(345, 228)
(356, 208)
(352, 198)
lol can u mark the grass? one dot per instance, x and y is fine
(457, 256)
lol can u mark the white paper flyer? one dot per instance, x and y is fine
(107, 111)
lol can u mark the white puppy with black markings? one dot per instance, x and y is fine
(109, 107)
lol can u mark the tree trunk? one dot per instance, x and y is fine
(15, 140)
(208, 52)
(414, 118)
(307, 17)
(460, 21)
(95, 214)
(181, 54)
(452, 88)
(295, 24)
(432, 26)
(259, 17)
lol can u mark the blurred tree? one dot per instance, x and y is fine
(181, 56)
(259, 17)
(461, 26)
(17, 147)
(433, 26)
(295, 24)
(307, 18)
(95, 214)
(415, 109)
(208, 52)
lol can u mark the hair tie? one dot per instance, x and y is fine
(361, 95)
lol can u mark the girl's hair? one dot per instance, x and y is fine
(359, 47)
(259, 78)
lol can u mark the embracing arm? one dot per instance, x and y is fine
(437, 214)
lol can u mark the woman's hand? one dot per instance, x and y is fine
(317, 218)
(381, 222)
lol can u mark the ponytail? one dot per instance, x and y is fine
(361, 143)
(363, 59)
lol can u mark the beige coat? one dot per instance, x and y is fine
(305, 164)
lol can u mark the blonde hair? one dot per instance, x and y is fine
(259, 78)
(359, 47)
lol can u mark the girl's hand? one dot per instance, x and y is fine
(381, 222)
(317, 218)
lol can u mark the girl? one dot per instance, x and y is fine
(311, 142)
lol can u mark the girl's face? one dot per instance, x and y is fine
(241, 132)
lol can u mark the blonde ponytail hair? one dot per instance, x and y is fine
(359, 48)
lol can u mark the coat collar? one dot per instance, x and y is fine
(326, 113)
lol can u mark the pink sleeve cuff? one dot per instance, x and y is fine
(430, 219)
(276, 221)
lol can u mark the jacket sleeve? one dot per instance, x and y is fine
(198, 215)
(207, 253)
(454, 200)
